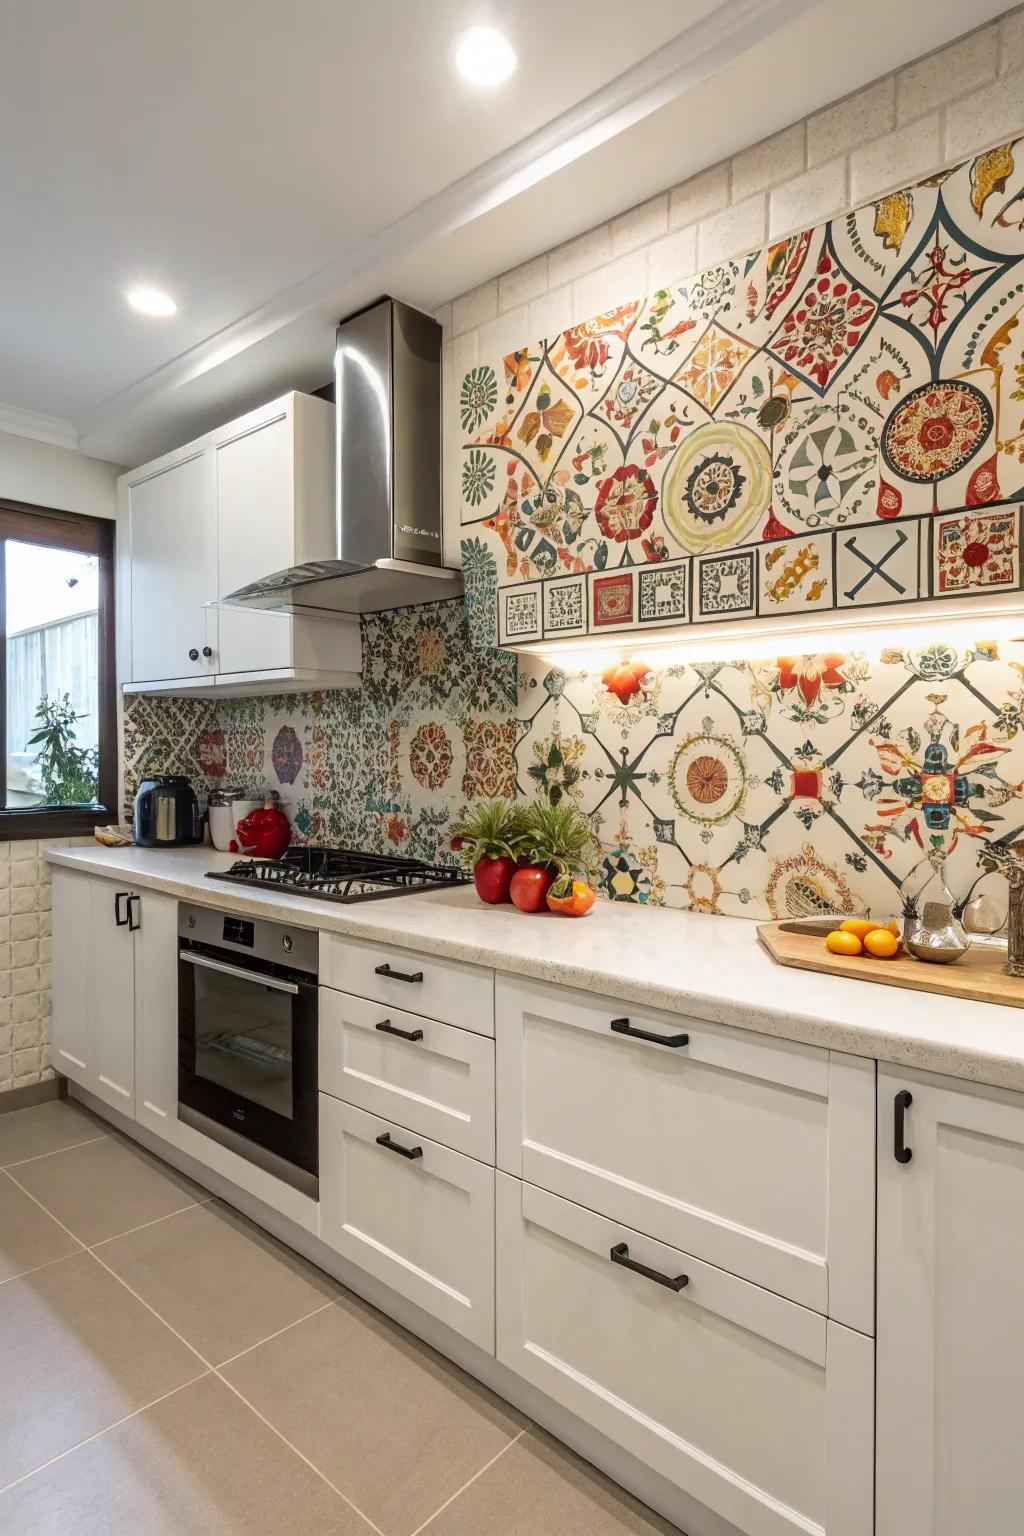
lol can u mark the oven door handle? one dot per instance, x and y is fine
(256, 977)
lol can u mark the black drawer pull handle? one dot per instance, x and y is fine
(624, 1027)
(900, 1104)
(387, 1028)
(134, 913)
(385, 970)
(119, 920)
(395, 1146)
(620, 1255)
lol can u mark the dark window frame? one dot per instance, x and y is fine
(30, 524)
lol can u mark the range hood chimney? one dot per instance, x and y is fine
(382, 547)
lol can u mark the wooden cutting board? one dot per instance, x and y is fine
(978, 975)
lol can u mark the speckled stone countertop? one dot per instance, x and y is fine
(707, 967)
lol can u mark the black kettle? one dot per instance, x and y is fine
(167, 812)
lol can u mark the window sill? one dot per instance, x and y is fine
(53, 821)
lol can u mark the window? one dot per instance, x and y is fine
(58, 770)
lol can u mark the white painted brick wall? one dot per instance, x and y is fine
(953, 103)
(25, 954)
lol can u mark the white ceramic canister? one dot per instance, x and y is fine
(222, 817)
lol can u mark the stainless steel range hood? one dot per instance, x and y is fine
(382, 547)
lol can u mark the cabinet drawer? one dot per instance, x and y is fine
(424, 1225)
(752, 1152)
(758, 1408)
(439, 1083)
(400, 978)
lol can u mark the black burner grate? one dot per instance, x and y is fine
(342, 874)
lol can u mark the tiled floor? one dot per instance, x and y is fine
(169, 1370)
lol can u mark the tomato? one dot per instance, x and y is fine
(577, 902)
(529, 887)
(840, 943)
(492, 878)
(881, 943)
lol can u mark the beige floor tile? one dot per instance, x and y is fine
(77, 1353)
(197, 1464)
(28, 1237)
(538, 1488)
(106, 1188)
(389, 1422)
(45, 1128)
(219, 1281)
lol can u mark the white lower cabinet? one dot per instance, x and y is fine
(412, 1213)
(757, 1154)
(95, 922)
(758, 1408)
(950, 1308)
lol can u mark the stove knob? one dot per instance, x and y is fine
(287, 942)
(191, 922)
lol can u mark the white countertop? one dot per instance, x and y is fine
(706, 967)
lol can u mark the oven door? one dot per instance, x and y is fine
(247, 1059)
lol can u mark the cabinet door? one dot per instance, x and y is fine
(412, 1213)
(255, 470)
(73, 897)
(950, 1309)
(754, 1153)
(168, 521)
(758, 1408)
(156, 1014)
(114, 916)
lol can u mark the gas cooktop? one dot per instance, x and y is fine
(341, 874)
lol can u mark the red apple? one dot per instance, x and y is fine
(492, 878)
(529, 887)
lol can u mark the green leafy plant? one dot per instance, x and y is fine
(493, 829)
(558, 835)
(69, 773)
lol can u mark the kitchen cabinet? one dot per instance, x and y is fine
(113, 968)
(760, 1409)
(950, 1307)
(754, 1153)
(412, 1213)
(214, 516)
(167, 568)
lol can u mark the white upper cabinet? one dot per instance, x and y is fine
(167, 567)
(950, 1308)
(193, 527)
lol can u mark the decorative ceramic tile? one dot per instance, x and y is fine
(611, 601)
(796, 576)
(521, 614)
(724, 586)
(878, 565)
(974, 550)
(565, 606)
(844, 381)
(662, 593)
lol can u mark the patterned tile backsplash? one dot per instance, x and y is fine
(754, 788)
(385, 767)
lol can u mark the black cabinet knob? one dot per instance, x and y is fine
(193, 654)
(207, 652)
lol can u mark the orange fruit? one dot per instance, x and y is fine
(840, 943)
(881, 943)
(858, 925)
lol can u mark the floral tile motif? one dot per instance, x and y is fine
(842, 384)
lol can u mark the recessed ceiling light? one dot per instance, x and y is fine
(484, 57)
(151, 301)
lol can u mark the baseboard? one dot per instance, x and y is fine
(690, 1517)
(33, 1093)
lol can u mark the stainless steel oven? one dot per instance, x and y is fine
(247, 1039)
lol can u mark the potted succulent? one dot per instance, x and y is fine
(556, 840)
(491, 836)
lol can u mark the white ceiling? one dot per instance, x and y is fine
(277, 164)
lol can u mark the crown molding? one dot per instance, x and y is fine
(692, 56)
(34, 424)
